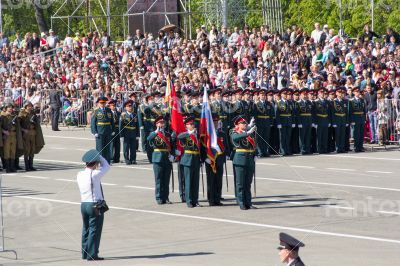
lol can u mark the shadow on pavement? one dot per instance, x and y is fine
(161, 256)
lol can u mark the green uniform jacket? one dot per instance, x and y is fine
(322, 115)
(192, 150)
(102, 122)
(7, 122)
(339, 112)
(357, 110)
(245, 151)
(264, 114)
(128, 125)
(284, 113)
(161, 150)
(304, 112)
(27, 119)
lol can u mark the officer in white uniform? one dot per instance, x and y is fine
(89, 182)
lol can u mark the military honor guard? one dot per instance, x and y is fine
(214, 178)
(102, 127)
(304, 121)
(31, 134)
(152, 111)
(357, 119)
(294, 143)
(129, 131)
(289, 250)
(340, 119)
(243, 161)
(331, 129)
(92, 203)
(142, 122)
(322, 121)
(190, 161)
(264, 118)
(115, 147)
(163, 147)
(12, 137)
(285, 123)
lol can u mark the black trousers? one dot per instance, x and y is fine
(55, 116)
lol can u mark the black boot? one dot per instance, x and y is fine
(27, 167)
(17, 167)
(12, 165)
(6, 165)
(31, 164)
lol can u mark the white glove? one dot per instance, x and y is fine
(252, 130)
(300, 126)
(255, 158)
(347, 125)
(334, 125)
(157, 130)
(279, 126)
(314, 125)
(113, 133)
(137, 138)
(208, 161)
(96, 135)
(329, 125)
(141, 127)
(219, 124)
(293, 125)
(171, 158)
(353, 123)
(252, 122)
(178, 152)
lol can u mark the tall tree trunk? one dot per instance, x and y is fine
(39, 14)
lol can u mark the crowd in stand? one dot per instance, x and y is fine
(85, 67)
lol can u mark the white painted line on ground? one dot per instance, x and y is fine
(387, 212)
(270, 164)
(337, 207)
(228, 221)
(360, 157)
(139, 187)
(108, 184)
(302, 166)
(8, 174)
(36, 177)
(63, 137)
(340, 169)
(380, 172)
(132, 167)
(65, 180)
(60, 161)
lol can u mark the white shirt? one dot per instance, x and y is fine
(85, 184)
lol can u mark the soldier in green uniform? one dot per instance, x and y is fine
(162, 144)
(284, 121)
(243, 161)
(312, 97)
(115, 147)
(152, 111)
(304, 121)
(142, 122)
(31, 133)
(219, 106)
(340, 119)
(264, 117)
(331, 129)
(357, 119)
(135, 108)
(273, 97)
(194, 109)
(129, 131)
(12, 137)
(322, 120)
(191, 162)
(102, 127)
(294, 142)
(247, 104)
(214, 178)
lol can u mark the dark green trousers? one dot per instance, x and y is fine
(263, 143)
(305, 139)
(285, 134)
(91, 230)
(162, 174)
(214, 183)
(244, 178)
(129, 149)
(192, 179)
(358, 134)
(322, 139)
(340, 134)
(103, 146)
(181, 181)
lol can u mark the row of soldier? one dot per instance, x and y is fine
(21, 135)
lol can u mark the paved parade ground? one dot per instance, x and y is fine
(345, 208)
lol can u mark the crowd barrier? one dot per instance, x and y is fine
(387, 121)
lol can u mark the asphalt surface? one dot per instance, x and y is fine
(345, 208)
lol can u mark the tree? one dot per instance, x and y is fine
(39, 14)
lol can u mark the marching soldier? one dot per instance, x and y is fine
(264, 114)
(340, 119)
(129, 131)
(304, 121)
(214, 178)
(12, 138)
(285, 123)
(31, 134)
(243, 161)
(162, 144)
(115, 147)
(357, 119)
(102, 127)
(191, 162)
(289, 250)
(322, 121)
